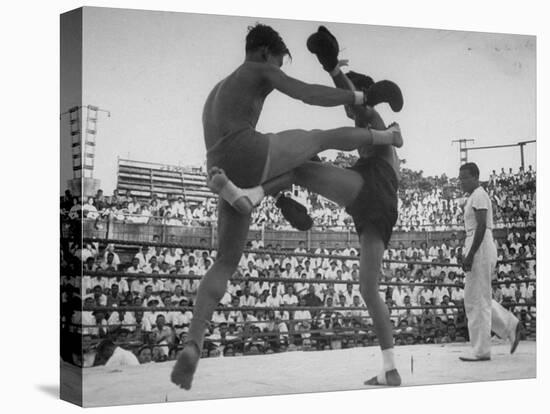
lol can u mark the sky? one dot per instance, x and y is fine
(154, 70)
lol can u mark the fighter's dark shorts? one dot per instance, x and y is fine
(242, 154)
(376, 203)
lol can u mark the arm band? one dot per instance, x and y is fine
(359, 97)
(335, 72)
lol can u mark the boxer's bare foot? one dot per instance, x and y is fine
(390, 378)
(186, 365)
(241, 199)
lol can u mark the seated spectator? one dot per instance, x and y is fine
(163, 337)
(115, 296)
(311, 298)
(302, 320)
(66, 202)
(452, 335)
(75, 211)
(427, 331)
(145, 355)
(171, 256)
(289, 298)
(152, 265)
(113, 356)
(191, 286)
(109, 263)
(246, 298)
(143, 257)
(89, 210)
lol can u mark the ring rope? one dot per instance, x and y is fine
(133, 308)
(110, 274)
(280, 253)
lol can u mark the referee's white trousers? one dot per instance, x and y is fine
(484, 314)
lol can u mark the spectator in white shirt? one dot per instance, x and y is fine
(163, 335)
(123, 286)
(288, 273)
(122, 320)
(526, 291)
(301, 247)
(350, 292)
(171, 256)
(246, 298)
(143, 257)
(322, 263)
(134, 267)
(289, 298)
(274, 299)
(191, 286)
(427, 294)
(205, 262)
(508, 292)
(152, 266)
(159, 284)
(76, 210)
(109, 263)
(302, 319)
(192, 266)
(89, 210)
(439, 292)
(308, 270)
(179, 208)
(258, 242)
(398, 295)
(457, 294)
(141, 216)
(178, 292)
(411, 249)
(115, 356)
(302, 287)
(332, 271)
(250, 269)
(234, 315)
(359, 314)
(116, 259)
(99, 298)
(219, 317)
(86, 318)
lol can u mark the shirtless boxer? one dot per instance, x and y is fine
(371, 185)
(245, 164)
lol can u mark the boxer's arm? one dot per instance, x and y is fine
(342, 81)
(318, 95)
(363, 115)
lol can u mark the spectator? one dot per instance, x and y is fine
(302, 319)
(247, 299)
(145, 355)
(75, 211)
(89, 210)
(311, 298)
(163, 337)
(115, 356)
(66, 202)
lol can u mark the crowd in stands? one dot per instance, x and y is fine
(152, 280)
(432, 203)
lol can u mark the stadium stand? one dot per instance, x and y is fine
(160, 263)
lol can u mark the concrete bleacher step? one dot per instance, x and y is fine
(143, 179)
